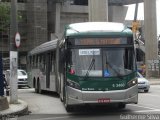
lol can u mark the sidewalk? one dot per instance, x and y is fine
(154, 81)
(15, 109)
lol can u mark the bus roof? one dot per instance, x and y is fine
(44, 47)
(97, 28)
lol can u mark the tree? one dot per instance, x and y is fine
(4, 18)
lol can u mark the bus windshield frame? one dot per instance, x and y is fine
(113, 60)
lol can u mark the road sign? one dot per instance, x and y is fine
(17, 39)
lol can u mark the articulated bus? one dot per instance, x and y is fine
(94, 63)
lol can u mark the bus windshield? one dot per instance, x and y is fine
(118, 62)
(102, 62)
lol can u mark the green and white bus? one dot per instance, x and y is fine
(94, 63)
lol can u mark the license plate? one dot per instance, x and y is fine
(104, 100)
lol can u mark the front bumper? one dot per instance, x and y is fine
(126, 96)
(22, 83)
(143, 86)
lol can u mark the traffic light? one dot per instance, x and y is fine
(135, 26)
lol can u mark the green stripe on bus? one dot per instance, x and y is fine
(100, 84)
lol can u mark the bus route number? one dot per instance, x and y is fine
(118, 85)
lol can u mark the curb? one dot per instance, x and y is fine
(3, 103)
(15, 109)
(155, 83)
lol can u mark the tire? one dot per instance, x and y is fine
(62, 96)
(35, 86)
(146, 91)
(39, 87)
(121, 105)
(36, 90)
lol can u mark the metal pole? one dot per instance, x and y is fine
(136, 11)
(13, 54)
(1, 78)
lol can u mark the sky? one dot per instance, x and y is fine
(140, 16)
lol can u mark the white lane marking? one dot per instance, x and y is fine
(151, 109)
(143, 106)
(152, 95)
(151, 105)
(156, 110)
(52, 118)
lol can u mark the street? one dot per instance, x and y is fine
(48, 106)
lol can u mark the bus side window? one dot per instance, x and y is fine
(36, 64)
(43, 64)
(40, 62)
(30, 61)
(53, 61)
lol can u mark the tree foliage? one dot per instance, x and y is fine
(4, 17)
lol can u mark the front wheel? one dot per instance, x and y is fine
(146, 91)
(121, 105)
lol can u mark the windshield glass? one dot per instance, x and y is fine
(86, 60)
(100, 62)
(118, 62)
(21, 73)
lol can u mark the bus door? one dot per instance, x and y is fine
(48, 62)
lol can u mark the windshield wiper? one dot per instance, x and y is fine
(89, 68)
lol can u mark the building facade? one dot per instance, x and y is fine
(44, 20)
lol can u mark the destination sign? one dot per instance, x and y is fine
(102, 41)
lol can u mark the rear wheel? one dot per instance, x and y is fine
(39, 87)
(36, 90)
(35, 86)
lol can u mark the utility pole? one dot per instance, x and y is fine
(1, 78)
(150, 34)
(98, 10)
(135, 23)
(13, 54)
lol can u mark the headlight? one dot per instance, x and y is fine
(73, 84)
(147, 82)
(132, 83)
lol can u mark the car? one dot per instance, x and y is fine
(143, 83)
(22, 77)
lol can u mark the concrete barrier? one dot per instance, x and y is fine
(3, 103)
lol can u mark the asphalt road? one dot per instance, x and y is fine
(49, 107)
